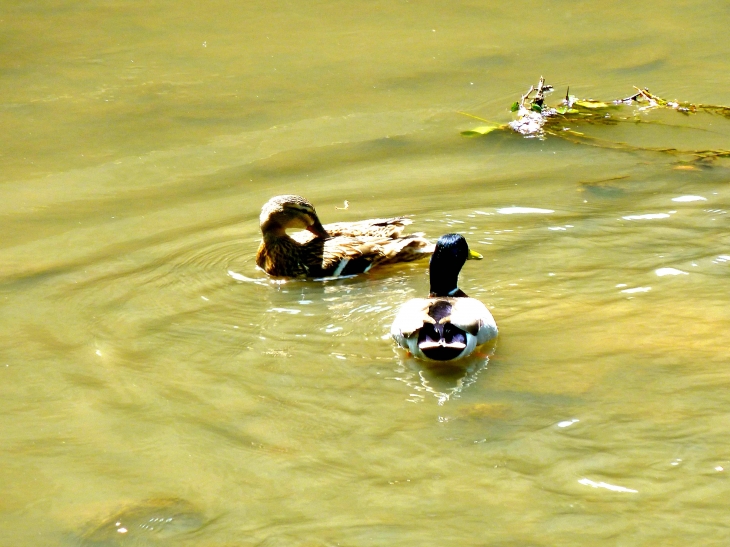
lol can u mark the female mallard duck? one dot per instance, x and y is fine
(448, 324)
(344, 248)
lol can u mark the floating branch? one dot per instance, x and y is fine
(535, 119)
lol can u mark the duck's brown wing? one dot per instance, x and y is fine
(375, 227)
(406, 249)
(345, 255)
(355, 247)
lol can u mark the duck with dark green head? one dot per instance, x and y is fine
(448, 325)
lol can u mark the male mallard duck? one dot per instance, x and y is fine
(448, 324)
(344, 248)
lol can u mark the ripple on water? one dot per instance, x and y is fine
(661, 272)
(647, 216)
(523, 211)
(146, 523)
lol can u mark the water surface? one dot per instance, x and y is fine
(142, 381)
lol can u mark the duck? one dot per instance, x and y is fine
(331, 250)
(448, 325)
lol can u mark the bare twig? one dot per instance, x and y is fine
(542, 89)
(526, 95)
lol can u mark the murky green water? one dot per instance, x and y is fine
(144, 388)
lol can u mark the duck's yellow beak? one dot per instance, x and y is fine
(473, 255)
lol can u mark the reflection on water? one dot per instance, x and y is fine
(149, 371)
(443, 381)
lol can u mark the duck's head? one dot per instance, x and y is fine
(452, 251)
(282, 212)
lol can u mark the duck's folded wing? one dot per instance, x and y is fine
(350, 255)
(375, 227)
(409, 320)
(406, 249)
(345, 255)
(472, 316)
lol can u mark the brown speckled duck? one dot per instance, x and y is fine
(332, 250)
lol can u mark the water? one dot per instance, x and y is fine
(141, 380)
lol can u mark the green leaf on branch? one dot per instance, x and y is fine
(593, 104)
(482, 130)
